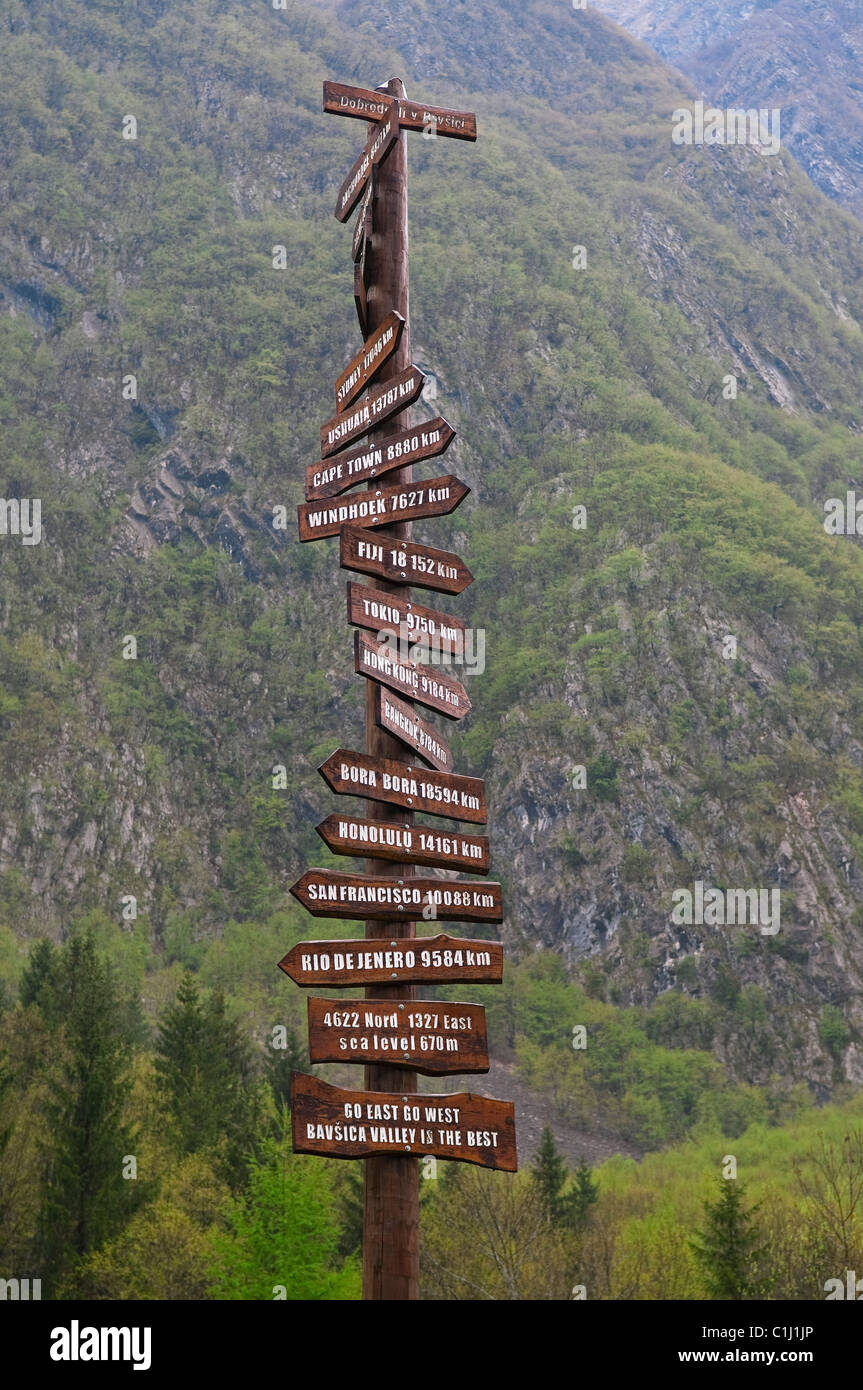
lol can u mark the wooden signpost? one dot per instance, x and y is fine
(377, 506)
(403, 563)
(383, 612)
(409, 844)
(336, 474)
(422, 683)
(400, 784)
(400, 720)
(382, 402)
(355, 1124)
(436, 1039)
(430, 960)
(331, 893)
(392, 1033)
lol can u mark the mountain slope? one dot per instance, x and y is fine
(601, 387)
(803, 56)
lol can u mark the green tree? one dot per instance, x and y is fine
(283, 1237)
(582, 1195)
(205, 1076)
(549, 1173)
(727, 1249)
(85, 1198)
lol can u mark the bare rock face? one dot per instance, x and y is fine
(801, 56)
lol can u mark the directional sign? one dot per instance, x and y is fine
(422, 960)
(363, 229)
(362, 369)
(334, 475)
(360, 297)
(375, 609)
(435, 1039)
(402, 502)
(331, 893)
(402, 721)
(402, 784)
(407, 844)
(382, 138)
(381, 402)
(355, 1124)
(378, 662)
(403, 562)
(340, 100)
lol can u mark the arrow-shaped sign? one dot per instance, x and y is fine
(407, 844)
(363, 368)
(381, 402)
(424, 684)
(424, 960)
(363, 229)
(382, 138)
(334, 475)
(402, 784)
(433, 1038)
(340, 100)
(403, 562)
(378, 506)
(402, 721)
(377, 610)
(331, 893)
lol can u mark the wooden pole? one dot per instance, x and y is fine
(391, 1188)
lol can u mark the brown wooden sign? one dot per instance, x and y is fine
(402, 784)
(340, 100)
(400, 719)
(408, 844)
(382, 136)
(363, 229)
(378, 662)
(403, 562)
(354, 1124)
(425, 960)
(359, 898)
(433, 1038)
(401, 502)
(381, 402)
(362, 369)
(377, 610)
(334, 475)
(361, 299)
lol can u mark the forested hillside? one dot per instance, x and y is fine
(584, 292)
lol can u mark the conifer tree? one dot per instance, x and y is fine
(85, 1197)
(205, 1074)
(727, 1248)
(550, 1173)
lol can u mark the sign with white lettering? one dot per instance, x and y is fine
(382, 137)
(408, 844)
(340, 100)
(401, 720)
(381, 402)
(378, 506)
(355, 1124)
(377, 610)
(435, 1039)
(360, 372)
(429, 687)
(403, 562)
(421, 960)
(401, 784)
(334, 475)
(332, 893)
